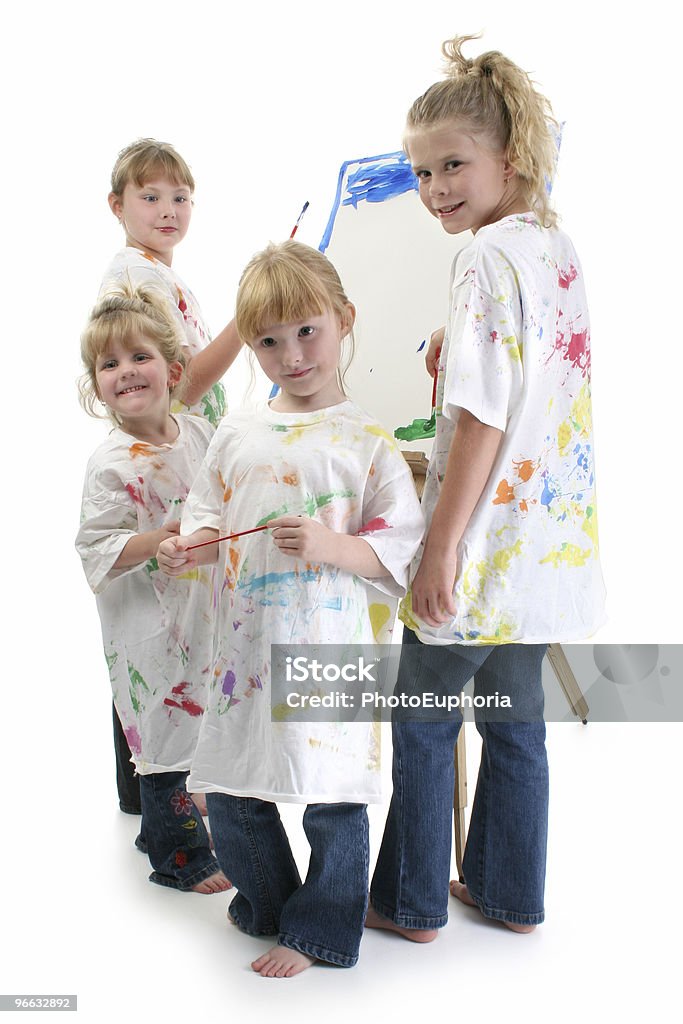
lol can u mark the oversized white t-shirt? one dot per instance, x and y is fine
(132, 266)
(340, 467)
(517, 356)
(157, 630)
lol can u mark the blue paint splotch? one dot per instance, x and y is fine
(375, 179)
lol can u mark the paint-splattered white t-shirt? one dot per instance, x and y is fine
(339, 467)
(132, 266)
(517, 356)
(157, 630)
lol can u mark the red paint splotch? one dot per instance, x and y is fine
(136, 492)
(183, 703)
(578, 351)
(565, 277)
(373, 525)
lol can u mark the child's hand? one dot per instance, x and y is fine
(432, 356)
(432, 589)
(172, 557)
(303, 538)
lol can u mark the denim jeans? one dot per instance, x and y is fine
(173, 833)
(505, 853)
(322, 917)
(127, 782)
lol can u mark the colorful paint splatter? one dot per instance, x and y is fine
(157, 631)
(517, 356)
(132, 266)
(338, 466)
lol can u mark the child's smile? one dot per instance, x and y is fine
(134, 383)
(302, 358)
(464, 181)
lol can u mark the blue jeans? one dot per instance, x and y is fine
(505, 854)
(322, 917)
(172, 833)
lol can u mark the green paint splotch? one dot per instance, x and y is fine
(138, 687)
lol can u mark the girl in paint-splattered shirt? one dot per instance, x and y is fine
(157, 632)
(344, 524)
(510, 558)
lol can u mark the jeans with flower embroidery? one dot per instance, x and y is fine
(505, 854)
(173, 833)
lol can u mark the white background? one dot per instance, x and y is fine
(266, 100)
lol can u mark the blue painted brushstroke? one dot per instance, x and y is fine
(556, 132)
(376, 179)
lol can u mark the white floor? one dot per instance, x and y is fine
(79, 915)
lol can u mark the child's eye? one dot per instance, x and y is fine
(108, 364)
(150, 199)
(181, 199)
(306, 332)
(422, 175)
(452, 164)
(267, 342)
(141, 357)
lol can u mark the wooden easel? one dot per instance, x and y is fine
(418, 463)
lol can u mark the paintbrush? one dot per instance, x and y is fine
(230, 536)
(421, 428)
(305, 207)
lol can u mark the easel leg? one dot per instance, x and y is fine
(567, 681)
(460, 799)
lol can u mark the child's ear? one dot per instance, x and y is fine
(348, 318)
(115, 204)
(175, 373)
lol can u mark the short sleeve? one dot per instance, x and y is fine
(484, 369)
(141, 272)
(108, 521)
(209, 491)
(393, 523)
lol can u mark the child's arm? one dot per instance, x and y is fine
(470, 460)
(208, 366)
(174, 559)
(310, 541)
(143, 546)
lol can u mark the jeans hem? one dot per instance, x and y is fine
(508, 916)
(406, 920)
(330, 956)
(129, 809)
(256, 934)
(185, 885)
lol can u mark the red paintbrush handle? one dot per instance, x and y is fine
(230, 536)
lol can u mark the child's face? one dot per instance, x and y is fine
(462, 178)
(155, 216)
(134, 382)
(302, 358)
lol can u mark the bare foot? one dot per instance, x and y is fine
(281, 962)
(375, 920)
(461, 892)
(199, 800)
(214, 883)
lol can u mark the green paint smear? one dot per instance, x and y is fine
(280, 428)
(151, 566)
(111, 659)
(136, 683)
(417, 429)
(313, 503)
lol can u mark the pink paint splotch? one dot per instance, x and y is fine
(133, 739)
(576, 350)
